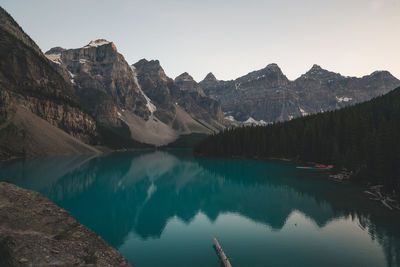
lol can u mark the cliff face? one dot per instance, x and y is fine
(267, 95)
(183, 92)
(158, 87)
(187, 83)
(194, 100)
(139, 97)
(28, 81)
(9, 25)
(36, 232)
(102, 80)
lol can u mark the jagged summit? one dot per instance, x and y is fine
(271, 75)
(152, 68)
(317, 72)
(267, 94)
(273, 67)
(185, 77)
(210, 77)
(186, 82)
(145, 61)
(100, 42)
(381, 72)
(149, 65)
(55, 50)
(54, 54)
(316, 68)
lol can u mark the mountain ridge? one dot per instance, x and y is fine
(268, 95)
(33, 93)
(153, 106)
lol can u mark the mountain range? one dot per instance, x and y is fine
(141, 96)
(267, 95)
(88, 99)
(39, 112)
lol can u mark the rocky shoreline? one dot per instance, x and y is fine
(36, 232)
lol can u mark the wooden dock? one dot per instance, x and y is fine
(221, 254)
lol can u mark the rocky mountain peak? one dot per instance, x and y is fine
(101, 42)
(186, 82)
(54, 54)
(184, 77)
(271, 75)
(318, 73)
(153, 64)
(210, 77)
(151, 68)
(273, 67)
(382, 73)
(316, 67)
(55, 50)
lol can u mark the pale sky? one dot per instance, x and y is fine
(227, 37)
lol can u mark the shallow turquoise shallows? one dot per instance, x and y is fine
(164, 208)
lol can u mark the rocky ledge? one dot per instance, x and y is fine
(36, 232)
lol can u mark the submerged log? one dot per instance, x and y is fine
(221, 254)
(377, 195)
(386, 204)
(370, 193)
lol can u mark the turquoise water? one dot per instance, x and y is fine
(163, 209)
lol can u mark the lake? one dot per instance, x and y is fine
(163, 208)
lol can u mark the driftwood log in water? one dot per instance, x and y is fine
(221, 254)
(375, 194)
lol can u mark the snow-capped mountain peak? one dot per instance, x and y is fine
(100, 42)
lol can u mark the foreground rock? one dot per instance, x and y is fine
(36, 232)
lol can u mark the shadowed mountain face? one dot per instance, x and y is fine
(32, 93)
(103, 80)
(123, 194)
(154, 107)
(268, 95)
(182, 92)
(194, 99)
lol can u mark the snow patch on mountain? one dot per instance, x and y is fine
(72, 77)
(343, 99)
(251, 121)
(303, 112)
(230, 118)
(97, 43)
(56, 58)
(71, 74)
(150, 106)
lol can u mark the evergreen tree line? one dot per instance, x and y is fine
(364, 138)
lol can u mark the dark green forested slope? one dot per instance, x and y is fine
(364, 138)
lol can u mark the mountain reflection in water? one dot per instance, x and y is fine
(132, 198)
